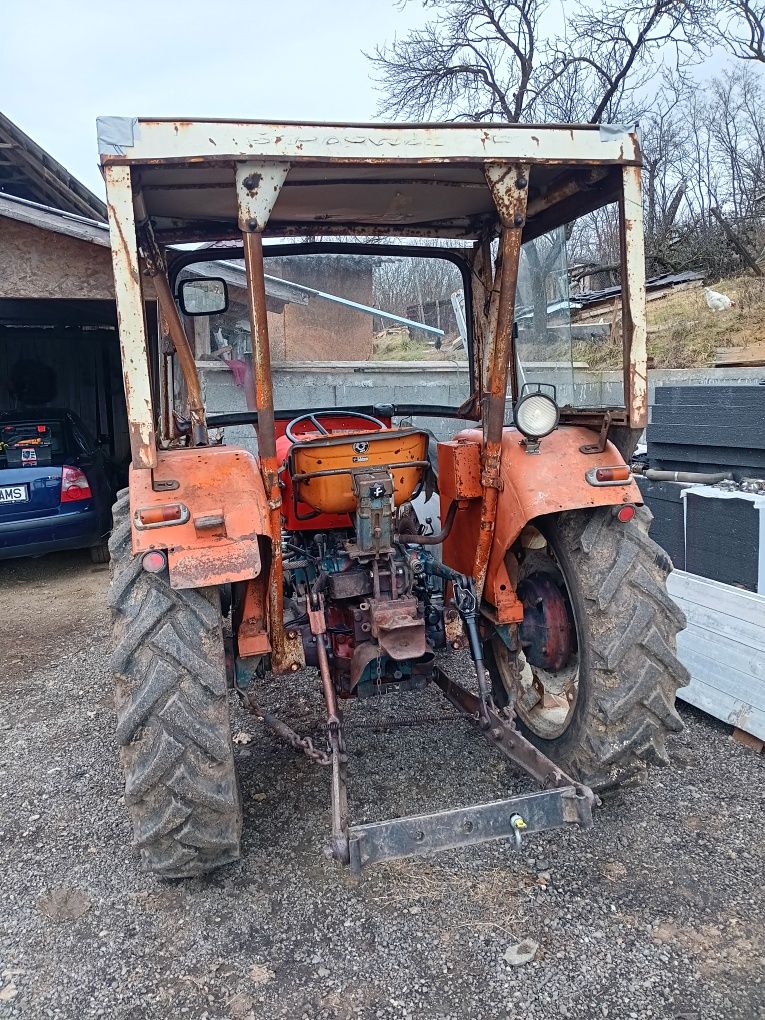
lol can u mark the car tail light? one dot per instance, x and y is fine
(161, 514)
(625, 513)
(617, 475)
(74, 485)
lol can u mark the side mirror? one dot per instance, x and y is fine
(203, 297)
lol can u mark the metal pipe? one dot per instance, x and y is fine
(495, 396)
(654, 475)
(261, 351)
(318, 625)
(409, 538)
(185, 356)
(355, 304)
(261, 393)
(169, 312)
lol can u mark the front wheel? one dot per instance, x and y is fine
(595, 687)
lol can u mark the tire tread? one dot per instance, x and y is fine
(638, 673)
(172, 716)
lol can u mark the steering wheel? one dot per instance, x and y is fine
(314, 416)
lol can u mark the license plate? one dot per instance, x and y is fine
(14, 494)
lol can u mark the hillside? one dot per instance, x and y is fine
(684, 333)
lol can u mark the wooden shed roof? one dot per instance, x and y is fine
(29, 172)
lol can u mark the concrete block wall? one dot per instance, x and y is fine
(338, 384)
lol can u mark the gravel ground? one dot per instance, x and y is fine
(655, 912)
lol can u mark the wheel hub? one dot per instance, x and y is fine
(547, 631)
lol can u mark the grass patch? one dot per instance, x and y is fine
(683, 332)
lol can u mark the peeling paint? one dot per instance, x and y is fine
(129, 298)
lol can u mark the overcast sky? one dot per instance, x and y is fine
(63, 64)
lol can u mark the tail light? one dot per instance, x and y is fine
(617, 475)
(625, 513)
(159, 515)
(74, 485)
(154, 561)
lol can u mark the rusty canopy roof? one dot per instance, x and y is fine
(374, 179)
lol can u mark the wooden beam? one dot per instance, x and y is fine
(56, 188)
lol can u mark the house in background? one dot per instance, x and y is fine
(59, 344)
(307, 319)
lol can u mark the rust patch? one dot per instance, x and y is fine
(213, 565)
(462, 462)
(454, 630)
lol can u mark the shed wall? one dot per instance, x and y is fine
(36, 263)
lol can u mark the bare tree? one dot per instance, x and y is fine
(474, 59)
(503, 60)
(741, 24)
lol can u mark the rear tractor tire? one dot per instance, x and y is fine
(606, 711)
(173, 723)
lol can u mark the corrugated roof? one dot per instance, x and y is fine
(29, 172)
(592, 297)
(47, 218)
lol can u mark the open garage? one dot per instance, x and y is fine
(64, 444)
(58, 323)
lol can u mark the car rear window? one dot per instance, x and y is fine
(31, 443)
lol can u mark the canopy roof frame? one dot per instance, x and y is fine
(364, 179)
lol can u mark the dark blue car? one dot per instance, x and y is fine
(55, 485)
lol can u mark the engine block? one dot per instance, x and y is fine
(385, 616)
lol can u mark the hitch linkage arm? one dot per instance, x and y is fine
(466, 601)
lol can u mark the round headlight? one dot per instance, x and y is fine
(536, 415)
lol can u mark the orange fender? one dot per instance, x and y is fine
(222, 488)
(532, 485)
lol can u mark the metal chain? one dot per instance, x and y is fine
(290, 736)
(305, 744)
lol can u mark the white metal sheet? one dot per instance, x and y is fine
(221, 139)
(736, 603)
(723, 648)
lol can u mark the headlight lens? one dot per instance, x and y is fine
(536, 415)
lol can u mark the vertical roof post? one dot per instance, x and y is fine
(633, 299)
(509, 184)
(257, 188)
(132, 326)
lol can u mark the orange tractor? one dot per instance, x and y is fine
(307, 543)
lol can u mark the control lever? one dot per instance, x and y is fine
(467, 603)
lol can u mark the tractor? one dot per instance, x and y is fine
(286, 537)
